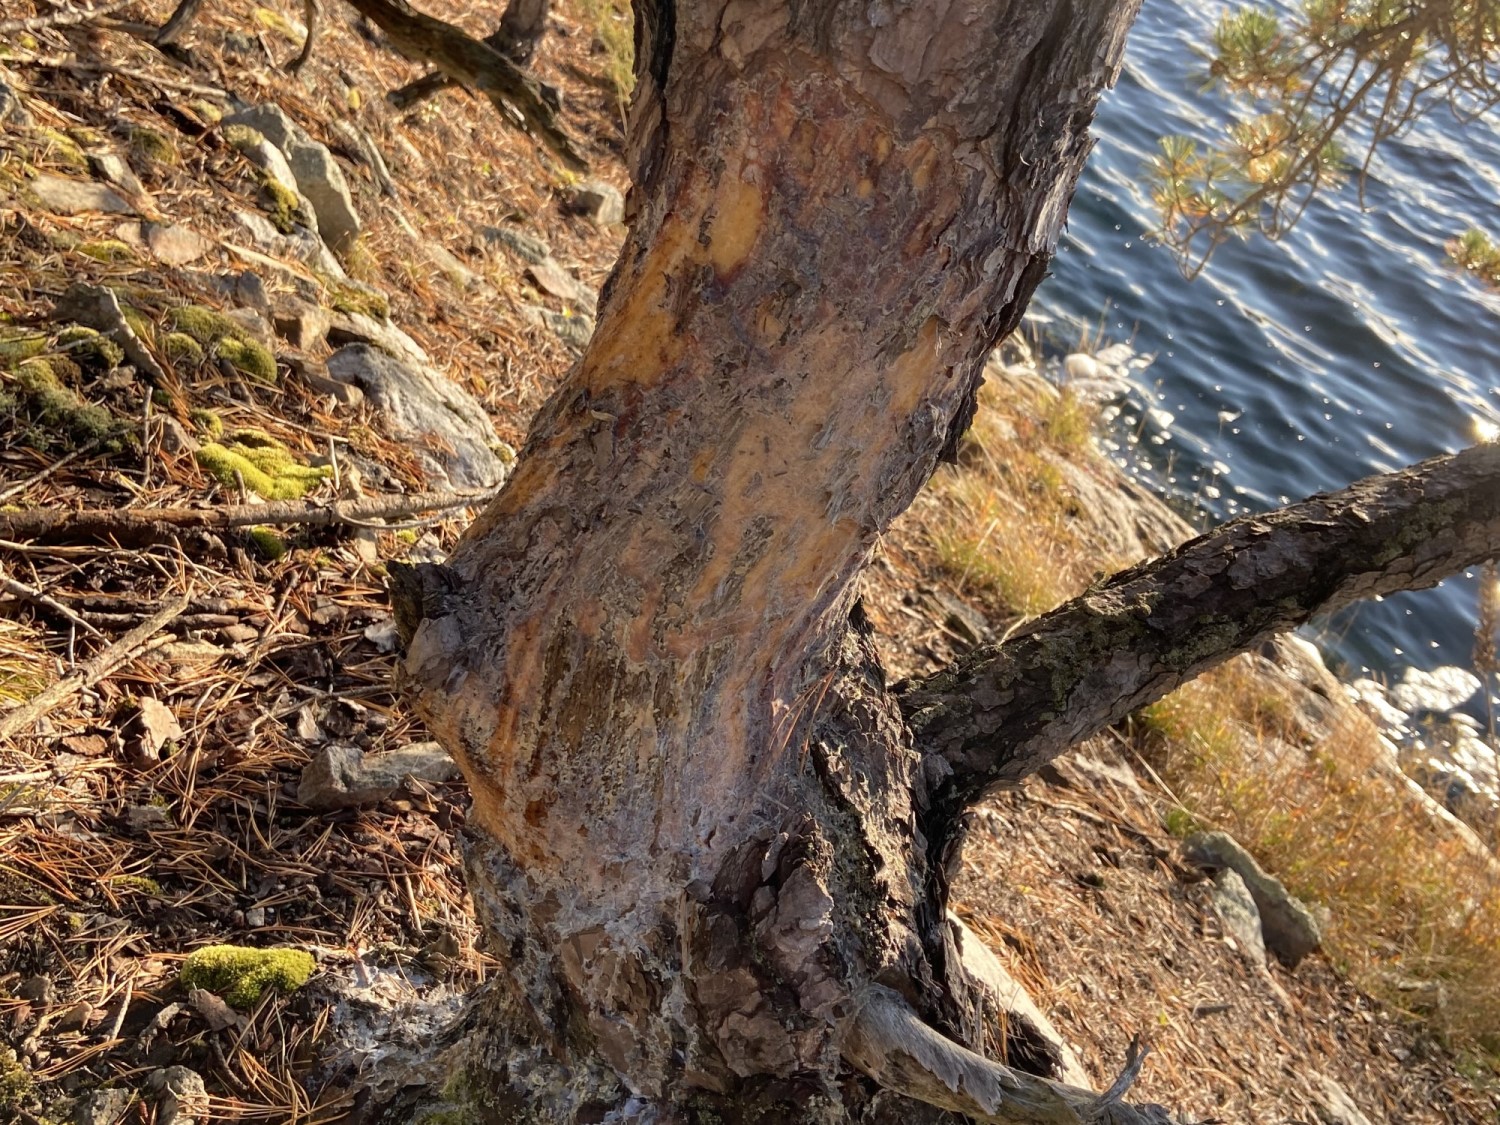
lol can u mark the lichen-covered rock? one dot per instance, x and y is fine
(75, 197)
(240, 974)
(227, 338)
(318, 176)
(449, 430)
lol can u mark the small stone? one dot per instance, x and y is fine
(599, 201)
(366, 545)
(75, 1017)
(1335, 1106)
(257, 327)
(174, 436)
(575, 330)
(300, 323)
(39, 990)
(144, 818)
(315, 374)
(11, 109)
(103, 1107)
(550, 277)
(174, 245)
(113, 167)
(341, 776)
(183, 1097)
(74, 197)
(255, 917)
(250, 291)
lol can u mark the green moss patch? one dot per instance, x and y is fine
(89, 348)
(39, 391)
(151, 146)
(357, 299)
(241, 974)
(267, 467)
(182, 349)
(207, 421)
(226, 339)
(18, 346)
(57, 148)
(106, 250)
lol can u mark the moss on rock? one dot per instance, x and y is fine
(18, 346)
(182, 350)
(346, 297)
(57, 414)
(241, 974)
(206, 420)
(151, 146)
(56, 147)
(225, 338)
(89, 348)
(268, 543)
(106, 250)
(266, 466)
(282, 204)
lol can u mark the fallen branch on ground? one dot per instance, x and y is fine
(91, 671)
(67, 17)
(137, 525)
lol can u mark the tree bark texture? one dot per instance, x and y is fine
(695, 820)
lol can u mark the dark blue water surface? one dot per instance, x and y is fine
(1348, 348)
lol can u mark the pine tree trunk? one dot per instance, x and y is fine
(694, 837)
(702, 843)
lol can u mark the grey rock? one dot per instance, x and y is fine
(551, 277)
(1440, 690)
(75, 197)
(522, 245)
(301, 245)
(255, 325)
(598, 201)
(357, 328)
(96, 307)
(318, 176)
(11, 109)
(341, 776)
(183, 1099)
(315, 374)
(447, 427)
(1335, 1106)
(113, 167)
(102, 1107)
(1288, 927)
(1236, 908)
(175, 437)
(300, 323)
(174, 245)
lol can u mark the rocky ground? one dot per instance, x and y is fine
(245, 319)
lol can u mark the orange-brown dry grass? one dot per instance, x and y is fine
(1413, 905)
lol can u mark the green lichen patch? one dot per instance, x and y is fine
(152, 147)
(281, 204)
(55, 147)
(226, 339)
(266, 466)
(267, 543)
(18, 346)
(89, 348)
(136, 884)
(106, 250)
(241, 974)
(38, 390)
(16, 1084)
(346, 297)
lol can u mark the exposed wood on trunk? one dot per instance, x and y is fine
(1001, 713)
(692, 794)
(475, 66)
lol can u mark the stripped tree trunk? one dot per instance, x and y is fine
(702, 841)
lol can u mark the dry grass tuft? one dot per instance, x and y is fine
(1414, 908)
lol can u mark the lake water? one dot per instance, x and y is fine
(1348, 348)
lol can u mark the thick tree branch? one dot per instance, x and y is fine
(1003, 711)
(475, 66)
(520, 30)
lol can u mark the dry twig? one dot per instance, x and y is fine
(66, 17)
